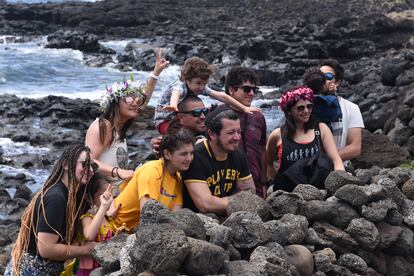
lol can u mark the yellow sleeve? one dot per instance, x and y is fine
(149, 182)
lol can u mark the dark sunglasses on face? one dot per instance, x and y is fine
(329, 76)
(93, 165)
(301, 108)
(197, 112)
(246, 89)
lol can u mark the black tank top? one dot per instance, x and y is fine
(293, 151)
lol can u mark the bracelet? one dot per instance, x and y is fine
(113, 169)
(118, 174)
(152, 75)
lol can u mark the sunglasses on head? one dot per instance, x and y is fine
(93, 165)
(329, 76)
(246, 89)
(301, 108)
(197, 112)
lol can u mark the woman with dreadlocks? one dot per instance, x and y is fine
(49, 222)
(120, 105)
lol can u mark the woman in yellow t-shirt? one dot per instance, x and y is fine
(158, 179)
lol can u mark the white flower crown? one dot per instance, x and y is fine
(122, 89)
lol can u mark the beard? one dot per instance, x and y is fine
(221, 145)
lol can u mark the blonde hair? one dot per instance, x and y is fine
(69, 159)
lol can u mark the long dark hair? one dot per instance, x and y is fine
(96, 182)
(112, 115)
(287, 101)
(69, 159)
(288, 129)
(176, 137)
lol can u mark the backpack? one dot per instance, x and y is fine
(313, 170)
(326, 109)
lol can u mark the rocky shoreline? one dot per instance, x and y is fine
(356, 226)
(279, 40)
(372, 39)
(55, 122)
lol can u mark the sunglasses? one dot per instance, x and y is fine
(301, 108)
(329, 76)
(93, 165)
(197, 112)
(247, 89)
(131, 99)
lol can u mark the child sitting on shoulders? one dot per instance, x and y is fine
(94, 223)
(195, 74)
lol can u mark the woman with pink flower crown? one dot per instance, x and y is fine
(120, 105)
(299, 137)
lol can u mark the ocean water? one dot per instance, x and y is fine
(44, 1)
(30, 70)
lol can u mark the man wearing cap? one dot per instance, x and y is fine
(241, 84)
(347, 132)
(219, 168)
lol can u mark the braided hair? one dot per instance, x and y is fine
(68, 159)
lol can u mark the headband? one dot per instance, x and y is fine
(291, 97)
(122, 89)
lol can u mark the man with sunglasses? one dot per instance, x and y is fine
(191, 115)
(347, 132)
(241, 85)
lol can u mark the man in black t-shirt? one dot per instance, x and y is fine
(219, 169)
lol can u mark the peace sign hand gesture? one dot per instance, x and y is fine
(160, 62)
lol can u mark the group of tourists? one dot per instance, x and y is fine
(203, 157)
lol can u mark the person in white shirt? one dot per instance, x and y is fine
(347, 132)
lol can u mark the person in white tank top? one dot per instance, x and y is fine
(120, 104)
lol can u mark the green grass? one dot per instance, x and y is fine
(408, 165)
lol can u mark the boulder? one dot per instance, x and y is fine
(153, 243)
(354, 263)
(246, 201)
(337, 179)
(242, 267)
(271, 262)
(340, 241)
(106, 253)
(185, 220)
(203, 258)
(324, 259)
(297, 227)
(364, 232)
(309, 192)
(379, 151)
(282, 203)
(248, 230)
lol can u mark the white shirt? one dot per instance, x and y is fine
(351, 118)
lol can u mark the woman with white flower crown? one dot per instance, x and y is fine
(120, 105)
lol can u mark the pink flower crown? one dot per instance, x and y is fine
(293, 96)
